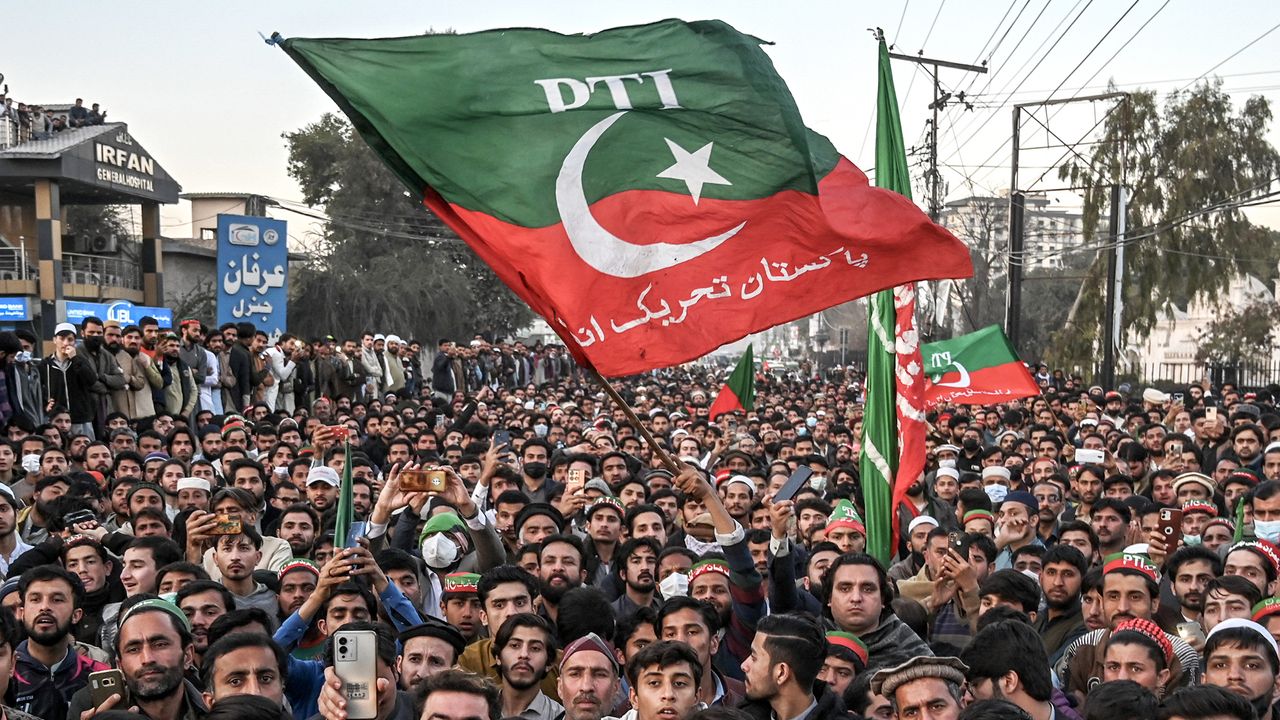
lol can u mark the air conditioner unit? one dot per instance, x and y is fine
(104, 244)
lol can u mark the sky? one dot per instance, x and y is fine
(203, 93)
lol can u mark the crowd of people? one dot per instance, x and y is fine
(22, 122)
(172, 543)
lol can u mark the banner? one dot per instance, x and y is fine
(122, 311)
(253, 272)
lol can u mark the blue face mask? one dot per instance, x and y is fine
(811, 422)
(1268, 530)
(1191, 540)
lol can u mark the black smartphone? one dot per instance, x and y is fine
(793, 484)
(501, 437)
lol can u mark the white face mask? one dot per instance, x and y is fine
(675, 584)
(947, 463)
(1268, 530)
(439, 552)
(31, 463)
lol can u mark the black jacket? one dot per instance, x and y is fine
(71, 388)
(830, 706)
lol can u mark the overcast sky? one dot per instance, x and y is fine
(209, 100)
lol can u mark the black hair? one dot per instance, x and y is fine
(627, 625)
(1205, 701)
(1120, 700)
(238, 707)
(1081, 526)
(11, 632)
(195, 587)
(630, 547)
(163, 550)
(1133, 637)
(494, 577)
(567, 539)
(1065, 554)
(1120, 508)
(1241, 637)
(237, 641)
(529, 620)
(1011, 585)
(1008, 646)
(1001, 613)
(352, 588)
(886, 588)
(993, 710)
(237, 620)
(984, 544)
(49, 573)
(584, 610)
(461, 681)
(798, 641)
(710, 616)
(664, 654)
(637, 510)
(1235, 585)
(974, 499)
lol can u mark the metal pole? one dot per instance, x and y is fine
(1013, 294)
(1113, 270)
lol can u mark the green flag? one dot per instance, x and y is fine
(346, 511)
(879, 459)
(740, 392)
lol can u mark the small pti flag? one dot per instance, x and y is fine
(345, 514)
(976, 369)
(739, 393)
(652, 190)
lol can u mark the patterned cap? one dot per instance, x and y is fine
(606, 502)
(1224, 522)
(1194, 478)
(846, 515)
(590, 642)
(1152, 631)
(298, 564)
(979, 513)
(1200, 506)
(461, 583)
(155, 604)
(1268, 607)
(1131, 563)
(1264, 549)
(850, 642)
(708, 566)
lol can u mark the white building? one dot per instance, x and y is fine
(982, 223)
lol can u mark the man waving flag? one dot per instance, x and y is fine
(651, 190)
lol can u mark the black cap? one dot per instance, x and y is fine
(533, 509)
(436, 628)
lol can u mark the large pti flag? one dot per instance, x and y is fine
(893, 427)
(652, 191)
(975, 369)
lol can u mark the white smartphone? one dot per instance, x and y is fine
(1091, 457)
(355, 658)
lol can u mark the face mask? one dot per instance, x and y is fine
(772, 448)
(970, 444)
(31, 463)
(818, 482)
(439, 552)
(676, 584)
(1191, 540)
(1268, 530)
(947, 463)
(811, 422)
(22, 357)
(997, 493)
(535, 470)
(540, 430)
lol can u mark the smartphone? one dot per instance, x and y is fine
(355, 658)
(226, 525)
(576, 481)
(340, 433)
(1170, 526)
(77, 517)
(1085, 456)
(1191, 633)
(439, 421)
(793, 484)
(105, 683)
(955, 541)
(502, 437)
(423, 480)
(1211, 413)
(1177, 398)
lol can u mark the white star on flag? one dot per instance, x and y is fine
(693, 168)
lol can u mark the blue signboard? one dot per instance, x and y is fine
(252, 276)
(14, 309)
(122, 311)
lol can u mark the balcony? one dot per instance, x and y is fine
(95, 276)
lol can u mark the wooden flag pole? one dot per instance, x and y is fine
(670, 463)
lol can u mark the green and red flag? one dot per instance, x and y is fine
(345, 514)
(652, 191)
(976, 369)
(893, 424)
(739, 393)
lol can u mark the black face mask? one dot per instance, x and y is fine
(535, 470)
(970, 444)
(772, 448)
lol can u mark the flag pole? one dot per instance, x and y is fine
(668, 462)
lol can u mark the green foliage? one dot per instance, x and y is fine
(1195, 153)
(1236, 336)
(385, 263)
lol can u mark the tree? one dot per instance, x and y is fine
(384, 262)
(1237, 335)
(1186, 168)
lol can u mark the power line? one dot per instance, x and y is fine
(901, 17)
(1094, 49)
(1231, 56)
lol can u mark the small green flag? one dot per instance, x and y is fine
(740, 392)
(346, 508)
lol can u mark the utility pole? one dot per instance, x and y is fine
(1114, 326)
(932, 177)
(1017, 208)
